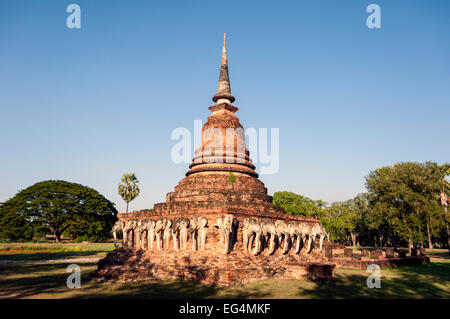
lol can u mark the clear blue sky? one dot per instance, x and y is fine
(87, 105)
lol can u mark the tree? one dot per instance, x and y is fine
(408, 191)
(14, 225)
(294, 204)
(341, 220)
(406, 203)
(57, 206)
(360, 211)
(129, 188)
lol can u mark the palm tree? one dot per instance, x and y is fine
(129, 188)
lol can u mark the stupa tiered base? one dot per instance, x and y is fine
(212, 195)
(211, 266)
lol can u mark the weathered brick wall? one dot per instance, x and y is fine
(210, 266)
(361, 259)
(214, 193)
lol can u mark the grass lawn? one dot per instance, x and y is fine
(45, 251)
(38, 280)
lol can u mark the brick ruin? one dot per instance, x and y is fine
(385, 258)
(219, 225)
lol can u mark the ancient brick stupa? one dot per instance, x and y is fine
(222, 188)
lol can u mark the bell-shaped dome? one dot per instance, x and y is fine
(223, 144)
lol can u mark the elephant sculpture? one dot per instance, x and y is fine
(119, 225)
(145, 233)
(163, 232)
(149, 226)
(128, 232)
(270, 234)
(284, 234)
(139, 234)
(167, 234)
(198, 232)
(318, 230)
(296, 236)
(306, 231)
(227, 225)
(180, 233)
(252, 232)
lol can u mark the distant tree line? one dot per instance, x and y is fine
(405, 205)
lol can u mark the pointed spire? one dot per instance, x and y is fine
(223, 94)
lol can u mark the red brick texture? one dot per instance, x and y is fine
(211, 266)
(348, 258)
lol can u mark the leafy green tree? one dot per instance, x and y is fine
(14, 225)
(321, 204)
(405, 203)
(340, 221)
(58, 206)
(409, 192)
(129, 188)
(360, 211)
(355, 221)
(294, 204)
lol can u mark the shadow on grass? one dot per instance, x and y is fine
(37, 280)
(168, 289)
(25, 280)
(49, 281)
(420, 281)
(51, 255)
